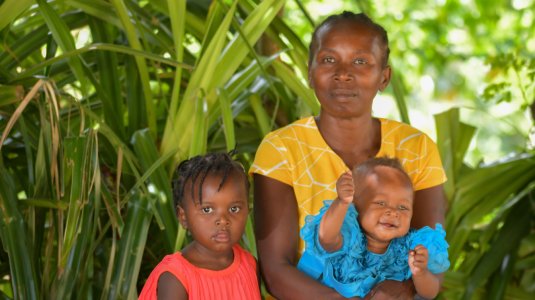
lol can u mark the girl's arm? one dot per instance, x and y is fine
(170, 288)
(329, 231)
(426, 283)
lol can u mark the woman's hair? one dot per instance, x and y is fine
(359, 18)
(194, 171)
(366, 168)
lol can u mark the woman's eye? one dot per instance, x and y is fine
(328, 59)
(206, 210)
(360, 61)
(234, 209)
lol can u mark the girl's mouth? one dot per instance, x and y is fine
(222, 236)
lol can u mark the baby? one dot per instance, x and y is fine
(363, 237)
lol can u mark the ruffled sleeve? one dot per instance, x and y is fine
(341, 269)
(313, 259)
(435, 242)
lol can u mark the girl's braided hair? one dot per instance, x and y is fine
(360, 18)
(194, 171)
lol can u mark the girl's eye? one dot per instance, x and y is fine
(401, 207)
(360, 61)
(207, 210)
(380, 203)
(234, 209)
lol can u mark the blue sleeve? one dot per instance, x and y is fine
(315, 256)
(437, 246)
(339, 269)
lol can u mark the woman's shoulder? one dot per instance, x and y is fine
(397, 126)
(294, 128)
(395, 132)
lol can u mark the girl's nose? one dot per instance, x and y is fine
(223, 220)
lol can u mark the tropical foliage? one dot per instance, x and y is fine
(99, 101)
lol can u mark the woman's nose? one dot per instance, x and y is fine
(343, 73)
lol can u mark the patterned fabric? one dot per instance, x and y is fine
(238, 281)
(298, 155)
(353, 270)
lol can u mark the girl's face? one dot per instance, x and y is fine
(347, 68)
(218, 223)
(385, 207)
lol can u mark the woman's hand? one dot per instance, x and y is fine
(391, 289)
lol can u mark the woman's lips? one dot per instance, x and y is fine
(343, 93)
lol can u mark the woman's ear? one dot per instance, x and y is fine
(182, 217)
(385, 80)
(310, 83)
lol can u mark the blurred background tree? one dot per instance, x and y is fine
(100, 100)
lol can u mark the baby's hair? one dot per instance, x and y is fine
(360, 18)
(366, 168)
(195, 170)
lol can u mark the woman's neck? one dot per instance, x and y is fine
(353, 139)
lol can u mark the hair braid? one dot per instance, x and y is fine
(194, 171)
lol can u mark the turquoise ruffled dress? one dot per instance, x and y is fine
(353, 270)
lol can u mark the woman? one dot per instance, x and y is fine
(296, 167)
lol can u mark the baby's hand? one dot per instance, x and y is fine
(418, 260)
(345, 188)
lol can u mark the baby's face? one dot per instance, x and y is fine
(385, 205)
(218, 222)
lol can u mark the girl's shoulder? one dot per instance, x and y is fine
(247, 260)
(172, 264)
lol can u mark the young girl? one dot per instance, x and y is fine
(210, 194)
(354, 247)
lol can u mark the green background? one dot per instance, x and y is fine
(100, 100)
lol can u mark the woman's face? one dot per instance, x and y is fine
(384, 202)
(347, 69)
(218, 222)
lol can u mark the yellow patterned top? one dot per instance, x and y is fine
(298, 155)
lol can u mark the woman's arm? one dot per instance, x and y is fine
(429, 208)
(277, 237)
